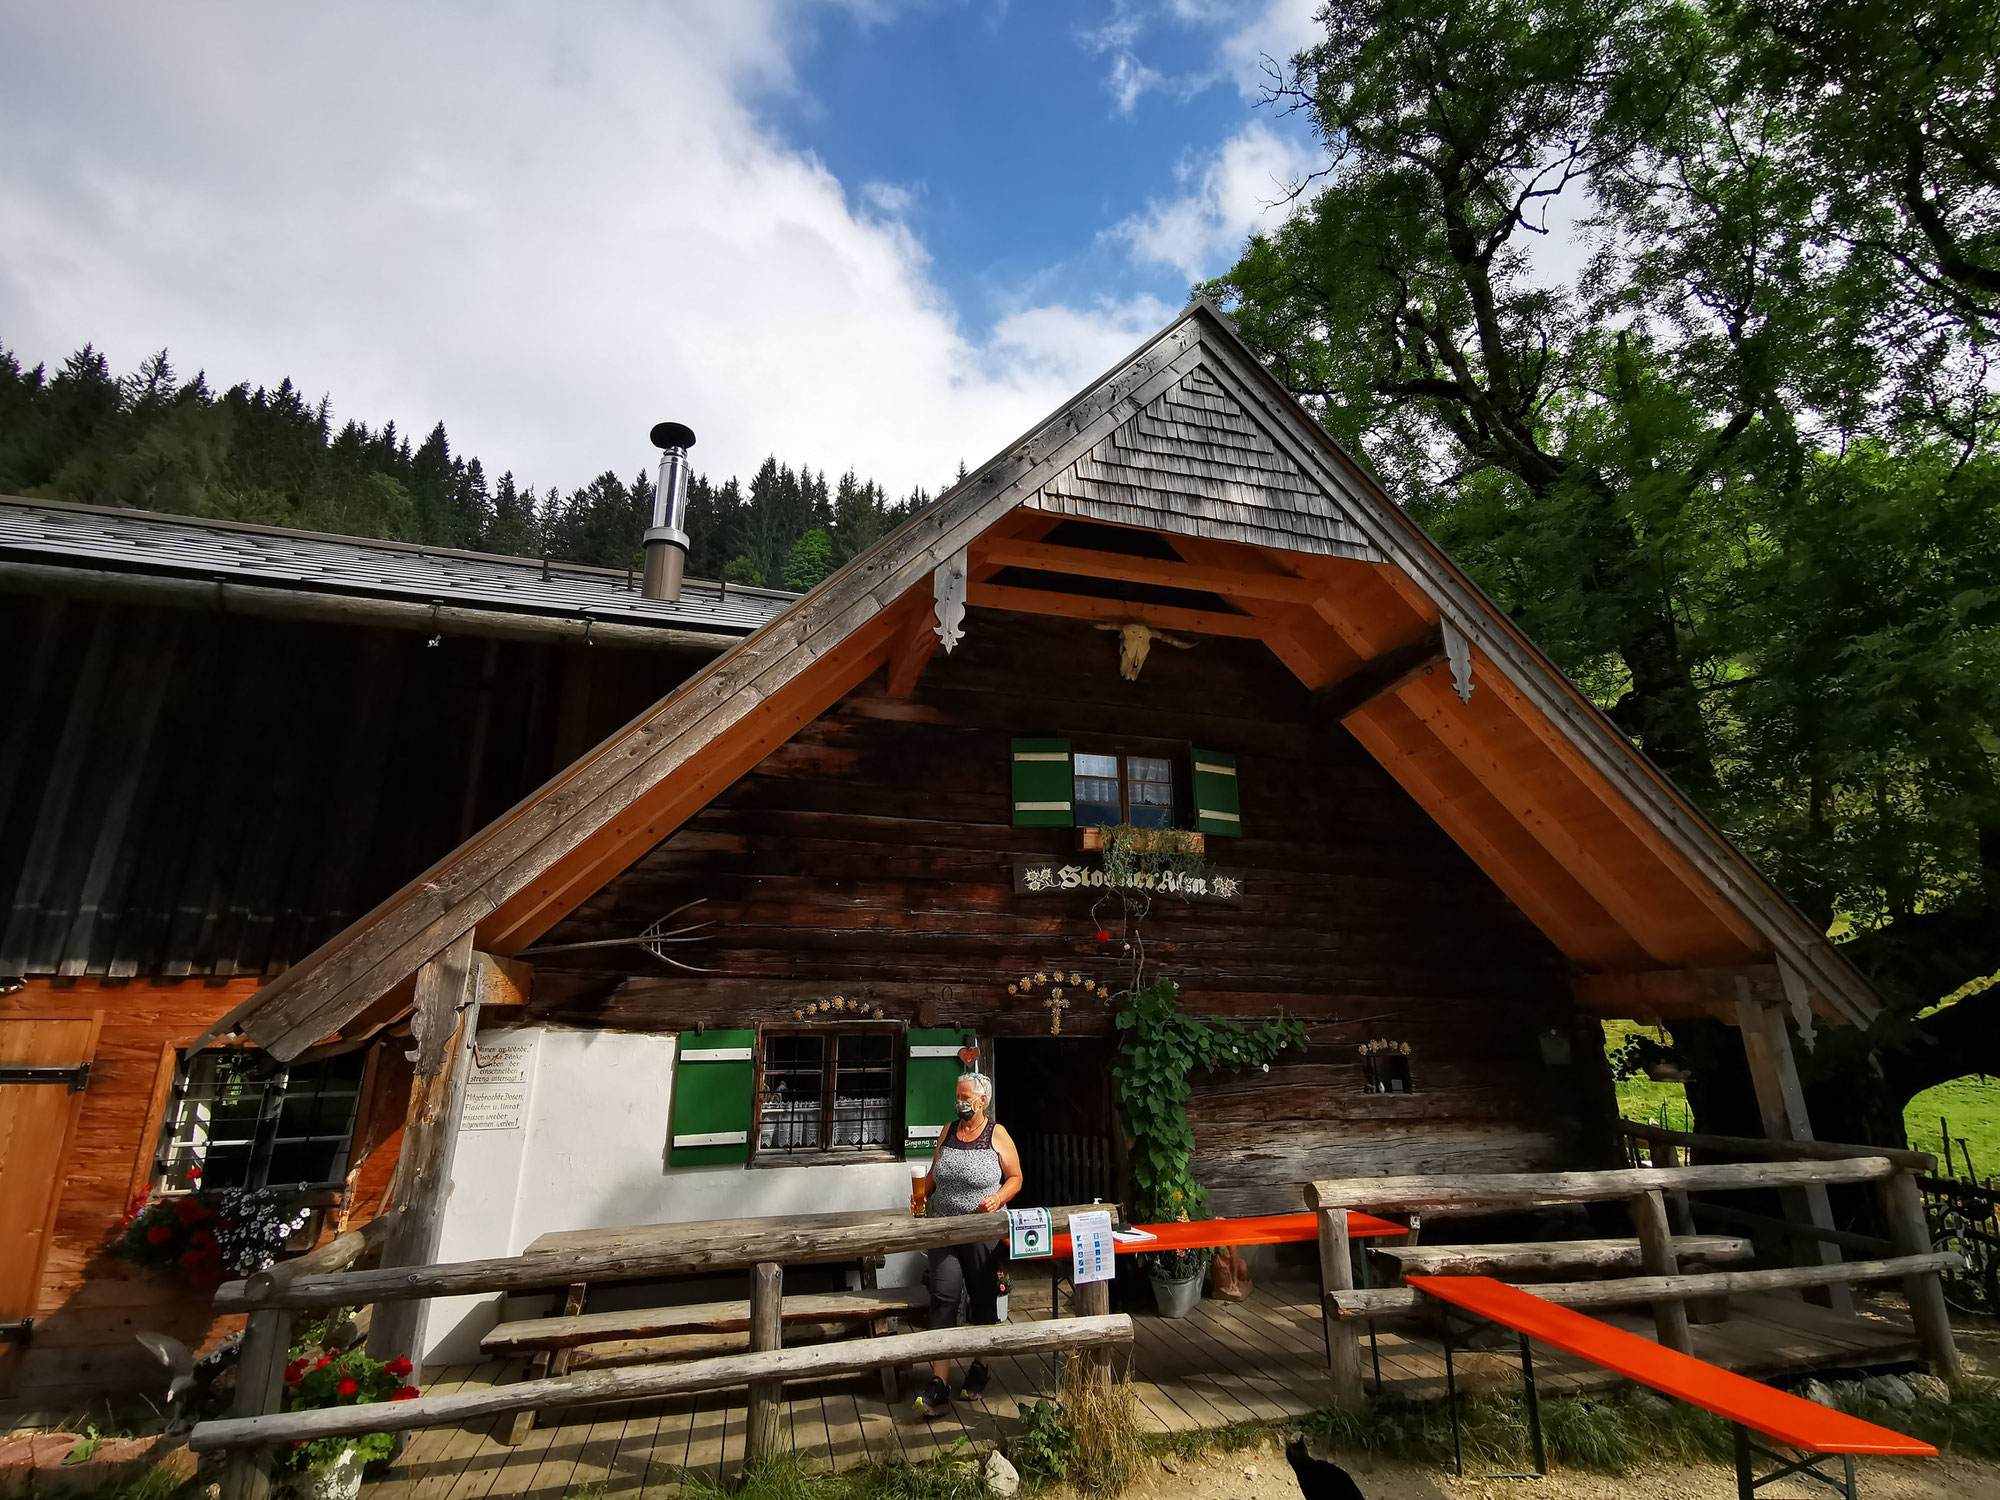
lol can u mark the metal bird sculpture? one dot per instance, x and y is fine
(654, 939)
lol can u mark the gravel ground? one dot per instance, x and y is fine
(1262, 1474)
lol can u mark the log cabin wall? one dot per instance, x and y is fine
(189, 802)
(872, 856)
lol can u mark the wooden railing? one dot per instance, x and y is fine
(1647, 1190)
(763, 1246)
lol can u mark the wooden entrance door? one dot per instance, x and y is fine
(37, 1124)
(1054, 1096)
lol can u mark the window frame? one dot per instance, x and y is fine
(891, 1148)
(1179, 774)
(179, 1144)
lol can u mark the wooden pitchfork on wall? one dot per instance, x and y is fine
(655, 939)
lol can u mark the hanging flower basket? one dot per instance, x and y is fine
(209, 1235)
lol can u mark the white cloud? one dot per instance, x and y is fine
(1284, 29)
(549, 235)
(1238, 190)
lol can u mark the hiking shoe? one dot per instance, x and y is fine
(933, 1398)
(974, 1385)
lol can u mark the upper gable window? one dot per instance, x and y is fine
(1055, 786)
(1135, 789)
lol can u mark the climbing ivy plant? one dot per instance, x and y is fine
(1159, 1051)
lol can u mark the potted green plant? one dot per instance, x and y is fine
(1159, 1053)
(330, 1468)
(1177, 1277)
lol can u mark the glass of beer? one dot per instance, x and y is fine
(920, 1186)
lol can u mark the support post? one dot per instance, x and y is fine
(1093, 1300)
(767, 1397)
(1909, 1231)
(444, 1021)
(1781, 1101)
(260, 1387)
(1343, 1339)
(1656, 1257)
(545, 1363)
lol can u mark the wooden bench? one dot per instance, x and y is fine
(650, 1334)
(1816, 1432)
(1532, 1257)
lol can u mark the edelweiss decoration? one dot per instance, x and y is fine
(839, 1005)
(1055, 981)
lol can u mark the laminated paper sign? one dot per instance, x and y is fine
(1029, 1235)
(496, 1089)
(1091, 1255)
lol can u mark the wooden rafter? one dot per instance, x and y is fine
(1386, 672)
(1081, 563)
(911, 648)
(1116, 611)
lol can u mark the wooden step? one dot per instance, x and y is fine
(1531, 1256)
(530, 1334)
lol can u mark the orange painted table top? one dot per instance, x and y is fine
(1260, 1229)
(1788, 1419)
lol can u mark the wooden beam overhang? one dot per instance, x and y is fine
(1386, 672)
(1589, 840)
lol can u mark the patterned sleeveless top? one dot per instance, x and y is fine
(965, 1172)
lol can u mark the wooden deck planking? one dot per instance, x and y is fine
(1261, 1360)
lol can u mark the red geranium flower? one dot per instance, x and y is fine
(193, 1174)
(192, 1258)
(347, 1387)
(159, 1234)
(190, 1211)
(323, 1361)
(1103, 936)
(202, 1240)
(406, 1393)
(295, 1372)
(399, 1367)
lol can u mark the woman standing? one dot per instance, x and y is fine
(974, 1170)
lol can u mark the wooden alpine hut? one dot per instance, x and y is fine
(729, 963)
(1174, 604)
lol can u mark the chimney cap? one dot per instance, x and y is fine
(672, 435)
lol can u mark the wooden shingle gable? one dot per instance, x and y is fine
(1191, 437)
(1195, 462)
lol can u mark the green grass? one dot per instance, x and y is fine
(1641, 1098)
(1972, 1108)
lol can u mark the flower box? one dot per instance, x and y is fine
(1145, 840)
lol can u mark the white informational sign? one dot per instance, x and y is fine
(1029, 1235)
(1091, 1255)
(496, 1090)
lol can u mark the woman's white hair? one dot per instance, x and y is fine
(980, 1082)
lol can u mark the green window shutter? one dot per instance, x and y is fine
(1215, 806)
(930, 1085)
(714, 1113)
(1042, 784)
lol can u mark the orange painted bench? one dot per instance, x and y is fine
(1804, 1426)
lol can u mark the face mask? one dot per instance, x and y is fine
(967, 1109)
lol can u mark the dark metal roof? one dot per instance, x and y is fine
(135, 541)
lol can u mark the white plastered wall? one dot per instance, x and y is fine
(591, 1153)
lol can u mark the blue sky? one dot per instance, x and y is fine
(886, 234)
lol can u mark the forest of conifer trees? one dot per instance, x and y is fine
(153, 441)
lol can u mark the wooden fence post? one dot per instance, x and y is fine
(260, 1389)
(1910, 1233)
(1656, 1258)
(1343, 1338)
(767, 1404)
(444, 1023)
(1093, 1300)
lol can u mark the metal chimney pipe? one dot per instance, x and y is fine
(667, 538)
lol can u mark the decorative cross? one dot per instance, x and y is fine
(1056, 1006)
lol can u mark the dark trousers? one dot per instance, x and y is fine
(964, 1282)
